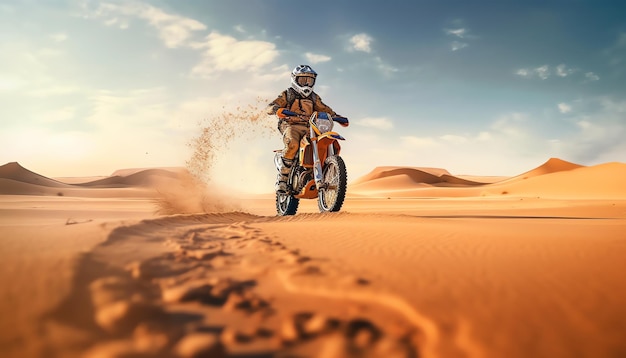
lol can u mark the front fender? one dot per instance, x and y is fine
(331, 135)
(325, 140)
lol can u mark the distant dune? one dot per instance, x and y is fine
(398, 179)
(606, 180)
(14, 171)
(555, 177)
(146, 177)
(17, 180)
(553, 165)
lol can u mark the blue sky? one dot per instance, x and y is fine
(484, 88)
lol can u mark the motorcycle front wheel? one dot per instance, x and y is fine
(335, 179)
(286, 204)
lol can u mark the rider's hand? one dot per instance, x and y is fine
(343, 121)
(280, 113)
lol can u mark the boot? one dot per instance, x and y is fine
(283, 174)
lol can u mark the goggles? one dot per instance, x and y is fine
(305, 81)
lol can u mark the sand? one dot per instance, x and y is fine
(419, 263)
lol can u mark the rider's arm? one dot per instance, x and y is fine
(278, 103)
(320, 106)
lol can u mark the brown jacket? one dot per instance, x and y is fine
(301, 105)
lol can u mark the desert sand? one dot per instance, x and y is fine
(419, 263)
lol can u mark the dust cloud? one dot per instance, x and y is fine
(196, 192)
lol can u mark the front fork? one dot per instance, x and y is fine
(317, 164)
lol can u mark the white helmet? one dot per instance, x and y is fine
(303, 79)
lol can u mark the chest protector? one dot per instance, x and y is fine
(302, 106)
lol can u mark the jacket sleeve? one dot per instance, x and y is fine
(320, 106)
(279, 102)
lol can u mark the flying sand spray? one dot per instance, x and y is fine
(197, 191)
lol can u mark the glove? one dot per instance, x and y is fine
(280, 113)
(343, 121)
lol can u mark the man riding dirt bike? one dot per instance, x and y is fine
(309, 166)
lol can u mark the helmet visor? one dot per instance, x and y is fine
(305, 81)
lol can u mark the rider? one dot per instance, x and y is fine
(301, 99)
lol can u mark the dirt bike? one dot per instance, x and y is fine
(318, 170)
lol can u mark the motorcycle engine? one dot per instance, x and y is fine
(301, 177)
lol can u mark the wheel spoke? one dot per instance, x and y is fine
(331, 179)
(332, 192)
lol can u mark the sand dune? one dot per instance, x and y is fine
(421, 263)
(600, 181)
(553, 165)
(14, 171)
(146, 177)
(417, 175)
(400, 181)
(420, 175)
(17, 180)
(555, 177)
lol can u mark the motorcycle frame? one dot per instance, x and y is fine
(328, 140)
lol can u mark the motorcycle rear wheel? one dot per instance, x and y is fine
(286, 204)
(335, 178)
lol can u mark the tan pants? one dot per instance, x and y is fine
(292, 134)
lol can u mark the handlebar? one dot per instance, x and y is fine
(339, 119)
(289, 113)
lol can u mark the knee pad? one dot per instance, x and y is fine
(285, 168)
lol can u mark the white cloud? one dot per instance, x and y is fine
(542, 72)
(600, 131)
(226, 53)
(591, 134)
(564, 108)
(456, 45)
(33, 70)
(612, 106)
(115, 110)
(444, 141)
(563, 71)
(560, 71)
(584, 125)
(240, 29)
(590, 76)
(382, 123)
(457, 32)
(473, 153)
(315, 58)
(385, 68)
(361, 42)
(512, 125)
(173, 29)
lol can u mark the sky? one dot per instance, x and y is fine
(474, 87)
